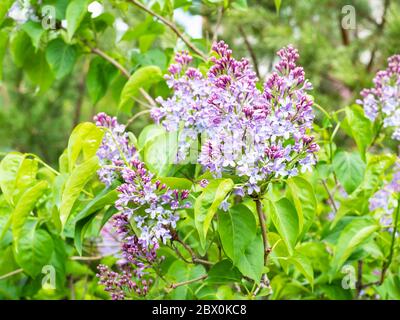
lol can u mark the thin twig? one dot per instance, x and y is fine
(10, 274)
(137, 115)
(173, 27)
(261, 217)
(251, 51)
(218, 23)
(183, 283)
(114, 62)
(330, 195)
(195, 259)
(124, 72)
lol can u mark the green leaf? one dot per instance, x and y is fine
(61, 57)
(240, 4)
(237, 229)
(5, 5)
(303, 196)
(25, 205)
(159, 153)
(85, 139)
(207, 204)
(99, 77)
(39, 72)
(349, 169)
(21, 48)
(223, 272)
(350, 239)
(284, 217)
(75, 184)
(181, 272)
(148, 133)
(9, 168)
(83, 218)
(360, 127)
(251, 264)
(76, 11)
(142, 78)
(35, 31)
(3, 48)
(33, 250)
(303, 264)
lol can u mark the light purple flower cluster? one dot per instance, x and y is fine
(115, 150)
(121, 284)
(383, 100)
(384, 201)
(255, 134)
(147, 210)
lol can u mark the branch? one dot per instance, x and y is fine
(218, 23)
(330, 196)
(262, 219)
(124, 72)
(172, 26)
(195, 259)
(251, 51)
(12, 273)
(183, 283)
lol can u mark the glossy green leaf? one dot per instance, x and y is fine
(223, 272)
(360, 127)
(39, 73)
(104, 198)
(5, 5)
(9, 167)
(176, 183)
(33, 250)
(349, 169)
(21, 48)
(85, 139)
(352, 236)
(61, 57)
(303, 264)
(99, 77)
(76, 11)
(35, 31)
(207, 204)
(79, 177)
(237, 229)
(159, 153)
(25, 205)
(142, 78)
(251, 263)
(303, 197)
(284, 216)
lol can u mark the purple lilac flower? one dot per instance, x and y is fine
(383, 100)
(256, 134)
(143, 202)
(384, 201)
(115, 149)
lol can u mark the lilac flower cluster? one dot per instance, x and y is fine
(255, 134)
(383, 100)
(115, 150)
(384, 201)
(147, 210)
(119, 284)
